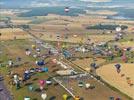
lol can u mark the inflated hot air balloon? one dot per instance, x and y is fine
(76, 98)
(65, 96)
(27, 98)
(66, 9)
(41, 82)
(33, 46)
(44, 96)
(118, 29)
(118, 66)
(87, 85)
(30, 88)
(40, 63)
(44, 69)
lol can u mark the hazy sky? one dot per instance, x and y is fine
(43, 3)
(96, 0)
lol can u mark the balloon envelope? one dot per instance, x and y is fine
(27, 98)
(33, 46)
(65, 96)
(45, 69)
(66, 9)
(87, 85)
(118, 29)
(44, 96)
(42, 82)
(77, 98)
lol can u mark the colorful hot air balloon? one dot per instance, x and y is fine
(42, 83)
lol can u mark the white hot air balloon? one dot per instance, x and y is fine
(27, 98)
(44, 96)
(118, 29)
(87, 85)
(66, 9)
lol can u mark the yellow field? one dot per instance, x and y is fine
(85, 63)
(9, 34)
(127, 44)
(18, 22)
(109, 74)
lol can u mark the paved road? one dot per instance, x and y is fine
(4, 93)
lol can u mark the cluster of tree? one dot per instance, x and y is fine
(25, 26)
(106, 27)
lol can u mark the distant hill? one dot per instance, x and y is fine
(43, 11)
(125, 8)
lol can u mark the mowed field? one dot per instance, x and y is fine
(85, 63)
(73, 27)
(100, 90)
(10, 34)
(110, 75)
(21, 21)
(71, 37)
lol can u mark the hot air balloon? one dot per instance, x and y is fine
(33, 46)
(10, 63)
(40, 63)
(41, 82)
(65, 96)
(118, 29)
(44, 96)
(27, 98)
(87, 85)
(76, 98)
(30, 88)
(66, 9)
(118, 66)
(44, 69)
(28, 52)
(26, 75)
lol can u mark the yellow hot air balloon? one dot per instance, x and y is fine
(33, 46)
(63, 46)
(65, 96)
(77, 98)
